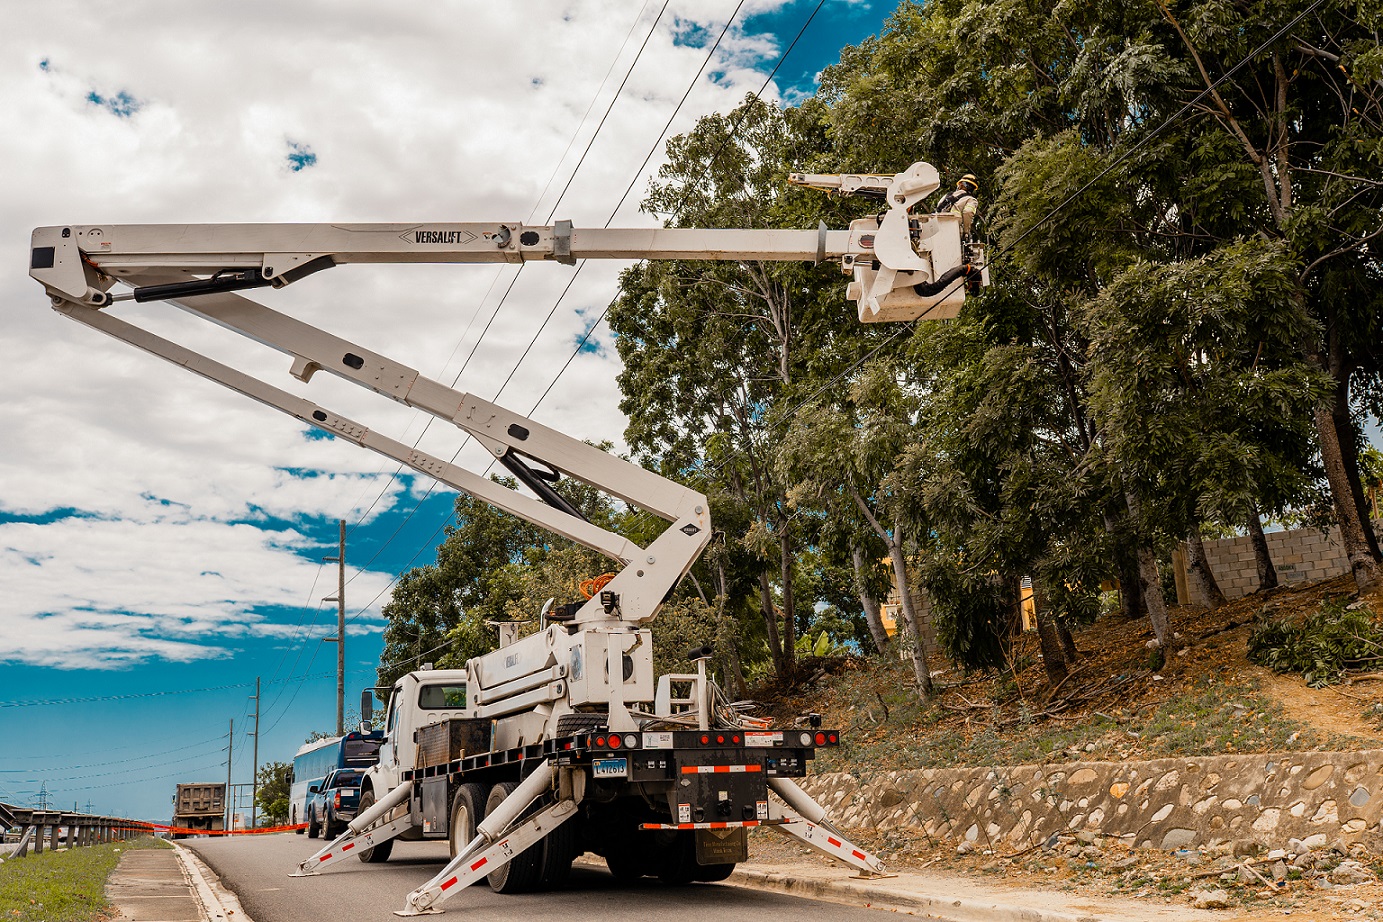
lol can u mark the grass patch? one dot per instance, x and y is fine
(64, 886)
(887, 726)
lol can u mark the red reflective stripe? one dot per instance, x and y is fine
(858, 854)
(325, 857)
(347, 847)
(746, 823)
(448, 883)
(835, 843)
(479, 863)
(718, 769)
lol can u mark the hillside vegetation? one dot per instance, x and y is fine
(1207, 699)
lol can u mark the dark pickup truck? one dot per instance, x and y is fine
(332, 805)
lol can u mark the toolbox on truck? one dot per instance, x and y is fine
(450, 739)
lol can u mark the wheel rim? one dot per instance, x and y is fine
(462, 829)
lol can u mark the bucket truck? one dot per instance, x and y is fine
(563, 741)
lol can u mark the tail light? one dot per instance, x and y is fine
(337, 802)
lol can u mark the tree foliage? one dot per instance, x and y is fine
(272, 795)
(1184, 330)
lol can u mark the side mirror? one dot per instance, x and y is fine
(367, 705)
(314, 789)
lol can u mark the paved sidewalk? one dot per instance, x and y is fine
(952, 898)
(168, 885)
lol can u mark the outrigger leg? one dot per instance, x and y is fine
(491, 849)
(363, 832)
(813, 829)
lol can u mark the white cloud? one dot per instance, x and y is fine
(172, 587)
(187, 494)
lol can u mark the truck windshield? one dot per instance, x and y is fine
(439, 697)
(345, 780)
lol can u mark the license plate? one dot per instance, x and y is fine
(610, 768)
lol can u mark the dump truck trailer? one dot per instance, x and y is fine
(200, 807)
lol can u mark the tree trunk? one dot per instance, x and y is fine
(727, 634)
(1349, 452)
(775, 646)
(1053, 654)
(1149, 579)
(1130, 587)
(1198, 571)
(922, 673)
(1126, 567)
(1267, 573)
(1368, 575)
(1068, 643)
(869, 603)
(789, 610)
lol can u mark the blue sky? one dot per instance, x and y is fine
(161, 541)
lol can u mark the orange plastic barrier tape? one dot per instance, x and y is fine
(159, 827)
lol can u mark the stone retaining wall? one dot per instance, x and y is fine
(1165, 803)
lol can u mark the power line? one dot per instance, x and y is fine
(126, 697)
(126, 771)
(70, 768)
(714, 157)
(637, 173)
(570, 282)
(183, 772)
(476, 346)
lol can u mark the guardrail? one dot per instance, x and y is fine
(36, 826)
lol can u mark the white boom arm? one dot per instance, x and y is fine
(904, 266)
(508, 436)
(901, 262)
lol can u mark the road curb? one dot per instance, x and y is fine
(873, 894)
(218, 903)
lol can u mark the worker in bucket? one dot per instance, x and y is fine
(961, 201)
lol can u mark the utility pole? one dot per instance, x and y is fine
(230, 754)
(254, 783)
(340, 638)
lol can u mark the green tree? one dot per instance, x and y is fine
(1210, 333)
(838, 459)
(716, 354)
(272, 796)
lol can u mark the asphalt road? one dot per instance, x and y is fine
(256, 869)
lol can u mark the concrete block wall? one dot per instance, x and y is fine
(922, 606)
(1162, 803)
(1299, 554)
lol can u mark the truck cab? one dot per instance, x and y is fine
(417, 699)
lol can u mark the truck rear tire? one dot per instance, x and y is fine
(714, 873)
(676, 860)
(380, 852)
(467, 810)
(626, 866)
(314, 828)
(559, 851)
(522, 874)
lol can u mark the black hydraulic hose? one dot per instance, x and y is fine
(230, 280)
(927, 289)
(537, 481)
